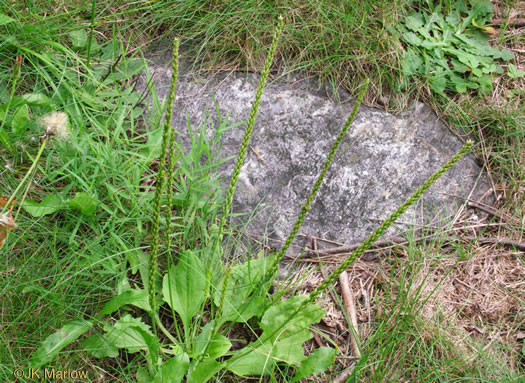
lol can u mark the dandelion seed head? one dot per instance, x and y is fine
(55, 124)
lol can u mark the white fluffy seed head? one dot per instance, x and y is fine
(55, 124)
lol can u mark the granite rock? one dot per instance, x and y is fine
(380, 162)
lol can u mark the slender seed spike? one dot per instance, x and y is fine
(172, 158)
(247, 134)
(310, 199)
(153, 266)
(386, 224)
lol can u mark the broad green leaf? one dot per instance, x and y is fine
(411, 64)
(135, 297)
(485, 83)
(183, 286)
(85, 203)
(33, 99)
(124, 334)
(79, 39)
(217, 345)
(514, 72)
(286, 327)
(316, 363)
(98, 346)
(152, 344)
(57, 341)
(257, 361)
(4, 19)
(204, 371)
(143, 375)
(242, 301)
(5, 141)
(173, 370)
(292, 314)
(20, 119)
(50, 204)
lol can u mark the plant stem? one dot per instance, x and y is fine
(93, 3)
(28, 173)
(247, 135)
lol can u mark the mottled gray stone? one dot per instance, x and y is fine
(381, 161)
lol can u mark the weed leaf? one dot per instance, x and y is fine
(514, 72)
(79, 39)
(204, 371)
(98, 346)
(4, 19)
(57, 341)
(319, 361)
(127, 333)
(174, 369)
(241, 301)
(85, 203)
(135, 297)
(20, 119)
(183, 286)
(286, 327)
(50, 204)
(5, 141)
(216, 346)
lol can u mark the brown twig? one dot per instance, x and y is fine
(349, 305)
(492, 211)
(517, 22)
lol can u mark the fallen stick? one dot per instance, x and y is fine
(349, 305)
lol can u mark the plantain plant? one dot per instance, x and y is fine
(196, 303)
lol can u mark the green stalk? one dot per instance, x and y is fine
(307, 205)
(387, 223)
(153, 266)
(93, 3)
(247, 135)
(28, 173)
(171, 157)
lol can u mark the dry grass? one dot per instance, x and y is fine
(463, 299)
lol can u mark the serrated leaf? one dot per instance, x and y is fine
(135, 297)
(20, 119)
(316, 363)
(83, 202)
(57, 341)
(49, 205)
(124, 334)
(184, 286)
(79, 39)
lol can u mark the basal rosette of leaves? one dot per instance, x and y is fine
(452, 51)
